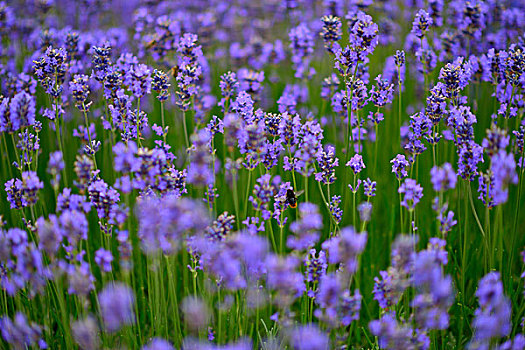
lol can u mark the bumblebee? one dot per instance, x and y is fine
(291, 198)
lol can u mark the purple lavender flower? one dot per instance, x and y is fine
(443, 178)
(395, 335)
(101, 61)
(165, 221)
(116, 306)
(55, 167)
(382, 93)
(345, 248)
(327, 163)
(399, 165)
(84, 168)
(22, 193)
(229, 86)
(435, 292)
(263, 192)
(302, 45)
(365, 211)
(363, 36)
(104, 198)
(470, 154)
(196, 313)
(446, 219)
(455, 77)
(161, 84)
(103, 258)
(50, 70)
(250, 81)
(85, 332)
(80, 90)
(22, 110)
(421, 24)
(315, 265)
(503, 166)
(190, 69)
(331, 32)
(412, 193)
(20, 333)
(356, 163)
(335, 210)
(139, 80)
(282, 278)
(306, 229)
(309, 337)
(369, 187)
(329, 86)
(471, 18)
(221, 227)
(492, 318)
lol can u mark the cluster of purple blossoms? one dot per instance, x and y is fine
(229, 87)
(164, 222)
(20, 333)
(50, 70)
(435, 293)
(101, 61)
(443, 178)
(493, 185)
(80, 89)
(338, 307)
(104, 198)
(103, 258)
(23, 193)
(116, 306)
(306, 229)
(331, 32)
(327, 163)
(190, 69)
(250, 81)
(22, 264)
(356, 163)
(263, 192)
(395, 335)
(369, 187)
(335, 210)
(397, 278)
(492, 320)
(221, 227)
(17, 112)
(412, 192)
(455, 77)
(399, 165)
(302, 45)
(307, 150)
(345, 248)
(382, 93)
(283, 278)
(421, 24)
(161, 83)
(315, 266)
(309, 337)
(363, 37)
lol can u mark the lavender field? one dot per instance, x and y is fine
(262, 174)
